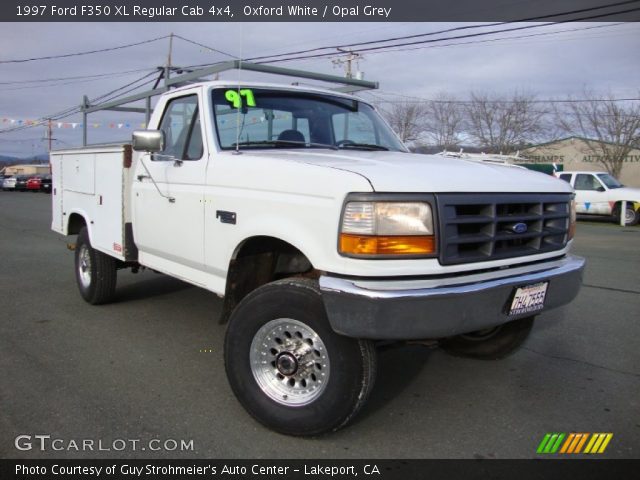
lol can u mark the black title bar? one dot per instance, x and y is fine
(315, 11)
(319, 469)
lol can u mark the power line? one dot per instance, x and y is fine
(455, 101)
(22, 140)
(448, 30)
(76, 77)
(376, 49)
(205, 46)
(74, 110)
(88, 52)
(431, 41)
(490, 40)
(59, 84)
(277, 57)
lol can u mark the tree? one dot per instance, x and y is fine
(406, 119)
(505, 124)
(444, 121)
(609, 129)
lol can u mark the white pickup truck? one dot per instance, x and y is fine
(323, 234)
(598, 193)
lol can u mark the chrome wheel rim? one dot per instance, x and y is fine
(289, 362)
(84, 266)
(629, 216)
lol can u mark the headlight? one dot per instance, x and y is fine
(387, 228)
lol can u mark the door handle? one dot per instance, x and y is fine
(142, 177)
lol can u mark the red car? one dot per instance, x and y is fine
(34, 184)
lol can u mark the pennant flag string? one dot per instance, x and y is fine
(6, 121)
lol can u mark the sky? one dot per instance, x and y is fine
(602, 59)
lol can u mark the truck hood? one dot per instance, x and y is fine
(626, 193)
(407, 172)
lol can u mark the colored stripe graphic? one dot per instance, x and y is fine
(543, 443)
(578, 437)
(594, 437)
(605, 443)
(567, 442)
(556, 446)
(581, 442)
(573, 443)
(598, 443)
(550, 443)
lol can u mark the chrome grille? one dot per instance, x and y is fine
(486, 226)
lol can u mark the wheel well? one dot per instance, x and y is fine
(618, 205)
(258, 261)
(76, 222)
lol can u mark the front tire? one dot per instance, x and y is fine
(631, 216)
(288, 368)
(491, 343)
(96, 272)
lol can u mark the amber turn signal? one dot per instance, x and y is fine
(386, 245)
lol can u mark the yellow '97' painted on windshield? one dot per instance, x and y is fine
(235, 97)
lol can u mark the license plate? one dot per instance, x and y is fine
(529, 299)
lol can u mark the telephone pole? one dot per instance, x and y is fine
(50, 133)
(348, 61)
(168, 68)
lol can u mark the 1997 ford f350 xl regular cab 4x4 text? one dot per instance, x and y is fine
(323, 234)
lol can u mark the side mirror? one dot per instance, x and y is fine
(148, 141)
(600, 189)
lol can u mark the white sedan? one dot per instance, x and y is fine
(9, 183)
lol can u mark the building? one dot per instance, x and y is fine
(26, 169)
(573, 154)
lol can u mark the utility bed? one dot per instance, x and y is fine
(93, 182)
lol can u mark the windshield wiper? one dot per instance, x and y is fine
(363, 146)
(252, 143)
(283, 143)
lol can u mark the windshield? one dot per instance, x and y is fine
(609, 181)
(265, 118)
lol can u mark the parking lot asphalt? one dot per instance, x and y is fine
(150, 366)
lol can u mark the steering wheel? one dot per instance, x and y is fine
(342, 143)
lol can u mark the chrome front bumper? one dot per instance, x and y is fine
(435, 308)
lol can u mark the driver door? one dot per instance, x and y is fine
(591, 195)
(168, 193)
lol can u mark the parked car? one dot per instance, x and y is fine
(9, 183)
(34, 184)
(45, 184)
(598, 193)
(21, 182)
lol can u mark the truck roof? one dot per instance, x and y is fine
(279, 86)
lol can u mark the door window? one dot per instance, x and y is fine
(182, 131)
(587, 182)
(354, 127)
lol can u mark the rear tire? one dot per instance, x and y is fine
(96, 272)
(491, 343)
(288, 368)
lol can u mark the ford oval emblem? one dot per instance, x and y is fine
(519, 227)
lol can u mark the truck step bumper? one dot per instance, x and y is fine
(436, 308)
